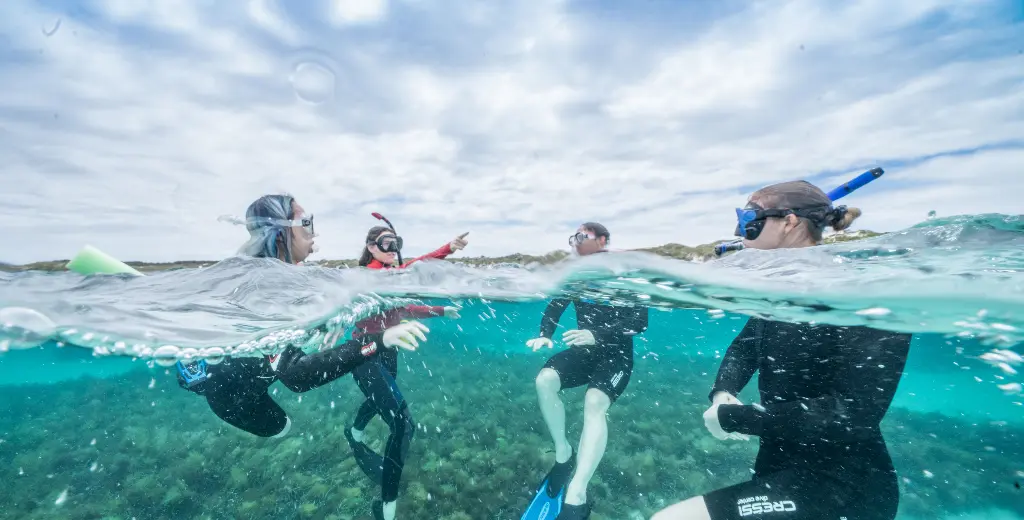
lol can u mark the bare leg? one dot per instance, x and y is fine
(551, 407)
(592, 445)
(692, 509)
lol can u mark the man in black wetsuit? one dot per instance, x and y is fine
(824, 390)
(601, 357)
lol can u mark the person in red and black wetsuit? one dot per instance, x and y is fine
(376, 378)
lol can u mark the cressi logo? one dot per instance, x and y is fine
(759, 508)
(544, 511)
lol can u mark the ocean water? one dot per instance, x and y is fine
(94, 424)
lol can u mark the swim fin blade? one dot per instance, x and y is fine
(368, 460)
(544, 506)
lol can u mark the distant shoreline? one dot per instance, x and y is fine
(699, 253)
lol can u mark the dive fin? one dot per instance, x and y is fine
(368, 460)
(544, 506)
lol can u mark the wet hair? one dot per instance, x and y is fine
(598, 230)
(804, 195)
(267, 238)
(366, 257)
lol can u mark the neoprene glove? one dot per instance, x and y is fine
(537, 343)
(404, 335)
(712, 423)
(579, 338)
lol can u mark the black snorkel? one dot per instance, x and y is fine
(859, 182)
(378, 216)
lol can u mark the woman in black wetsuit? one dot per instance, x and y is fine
(236, 389)
(824, 390)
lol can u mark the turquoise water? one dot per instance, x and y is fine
(95, 425)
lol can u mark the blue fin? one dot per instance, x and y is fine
(544, 507)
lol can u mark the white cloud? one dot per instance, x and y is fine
(134, 127)
(350, 12)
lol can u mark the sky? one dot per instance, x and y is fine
(131, 125)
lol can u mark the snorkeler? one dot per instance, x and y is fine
(600, 356)
(824, 390)
(236, 389)
(377, 379)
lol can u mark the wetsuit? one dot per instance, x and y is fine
(376, 379)
(824, 390)
(236, 389)
(606, 365)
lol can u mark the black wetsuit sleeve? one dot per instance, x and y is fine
(868, 368)
(302, 372)
(740, 361)
(553, 312)
(625, 323)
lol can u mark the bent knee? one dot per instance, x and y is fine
(548, 381)
(596, 401)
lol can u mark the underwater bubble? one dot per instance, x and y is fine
(166, 355)
(1011, 388)
(213, 355)
(22, 328)
(928, 474)
(313, 83)
(62, 497)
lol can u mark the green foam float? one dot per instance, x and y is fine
(93, 261)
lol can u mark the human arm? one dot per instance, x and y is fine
(868, 366)
(438, 254)
(548, 323)
(391, 317)
(301, 372)
(552, 313)
(740, 361)
(421, 311)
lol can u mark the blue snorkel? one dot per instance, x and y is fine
(859, 182)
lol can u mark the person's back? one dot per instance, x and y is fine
(823, 391)
(837, 382)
